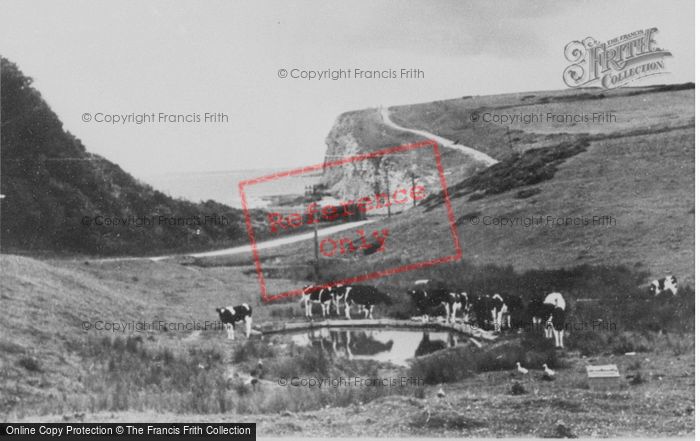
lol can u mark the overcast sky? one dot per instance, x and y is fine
(224, 56)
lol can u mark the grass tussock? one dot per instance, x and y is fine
(517, 388)
(30, 363)
(445, 418)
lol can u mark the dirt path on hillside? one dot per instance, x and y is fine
(477, 155)
(241, 249)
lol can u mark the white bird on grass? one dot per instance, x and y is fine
(521, 369)
(441, 393)
(548, 372)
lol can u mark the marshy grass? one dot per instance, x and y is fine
(130, 374)
(462, 362)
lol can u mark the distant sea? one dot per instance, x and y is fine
(222, 186)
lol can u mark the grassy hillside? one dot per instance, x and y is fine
(470, 120)
(639, 171)
(51, 182)
(46, 353)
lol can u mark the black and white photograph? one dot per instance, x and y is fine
(331, 219)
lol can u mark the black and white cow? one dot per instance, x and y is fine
(497, 308)
(482, 307)
(338, 293)
(554, 307)
(669, 283)
(514, 309)
(558, 323)
(503, 308)
(470, 309)
(429, 294)
(365, 296)
(463, 304)
(322, 296)
(232, 314)
(537, 311)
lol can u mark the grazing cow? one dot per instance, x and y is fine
(232, 314)
(484, 307)
(322, 296)
(555, 299)
(470, 308)
(547, 310)
(497, 309)
(365, 296)
(503, 307)
(670, 283)
(428, 294)
(480, 305)
(463, 304)
(554, 302)
(514, 310)
(558, 323)
(537, 310)
(338, 293)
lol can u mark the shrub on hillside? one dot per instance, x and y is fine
(518, 170)
(517, 389)
(531, 350)
(252, 350)
(30, 363)
(445, 366)
(623, 342)
(587, 341)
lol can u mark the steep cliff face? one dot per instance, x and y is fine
(363, 131)
(342, 142)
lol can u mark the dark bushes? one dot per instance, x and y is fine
(463, 361)
(519, 170)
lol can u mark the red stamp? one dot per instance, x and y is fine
(363, 238)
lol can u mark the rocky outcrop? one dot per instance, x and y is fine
(363, 131)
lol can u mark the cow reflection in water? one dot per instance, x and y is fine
(348, 343)
(428, 346)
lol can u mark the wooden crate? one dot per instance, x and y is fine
(603, 377)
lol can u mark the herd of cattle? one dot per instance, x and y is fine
(494, 311)
(364, 297)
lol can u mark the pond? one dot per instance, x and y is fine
(395, 346)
